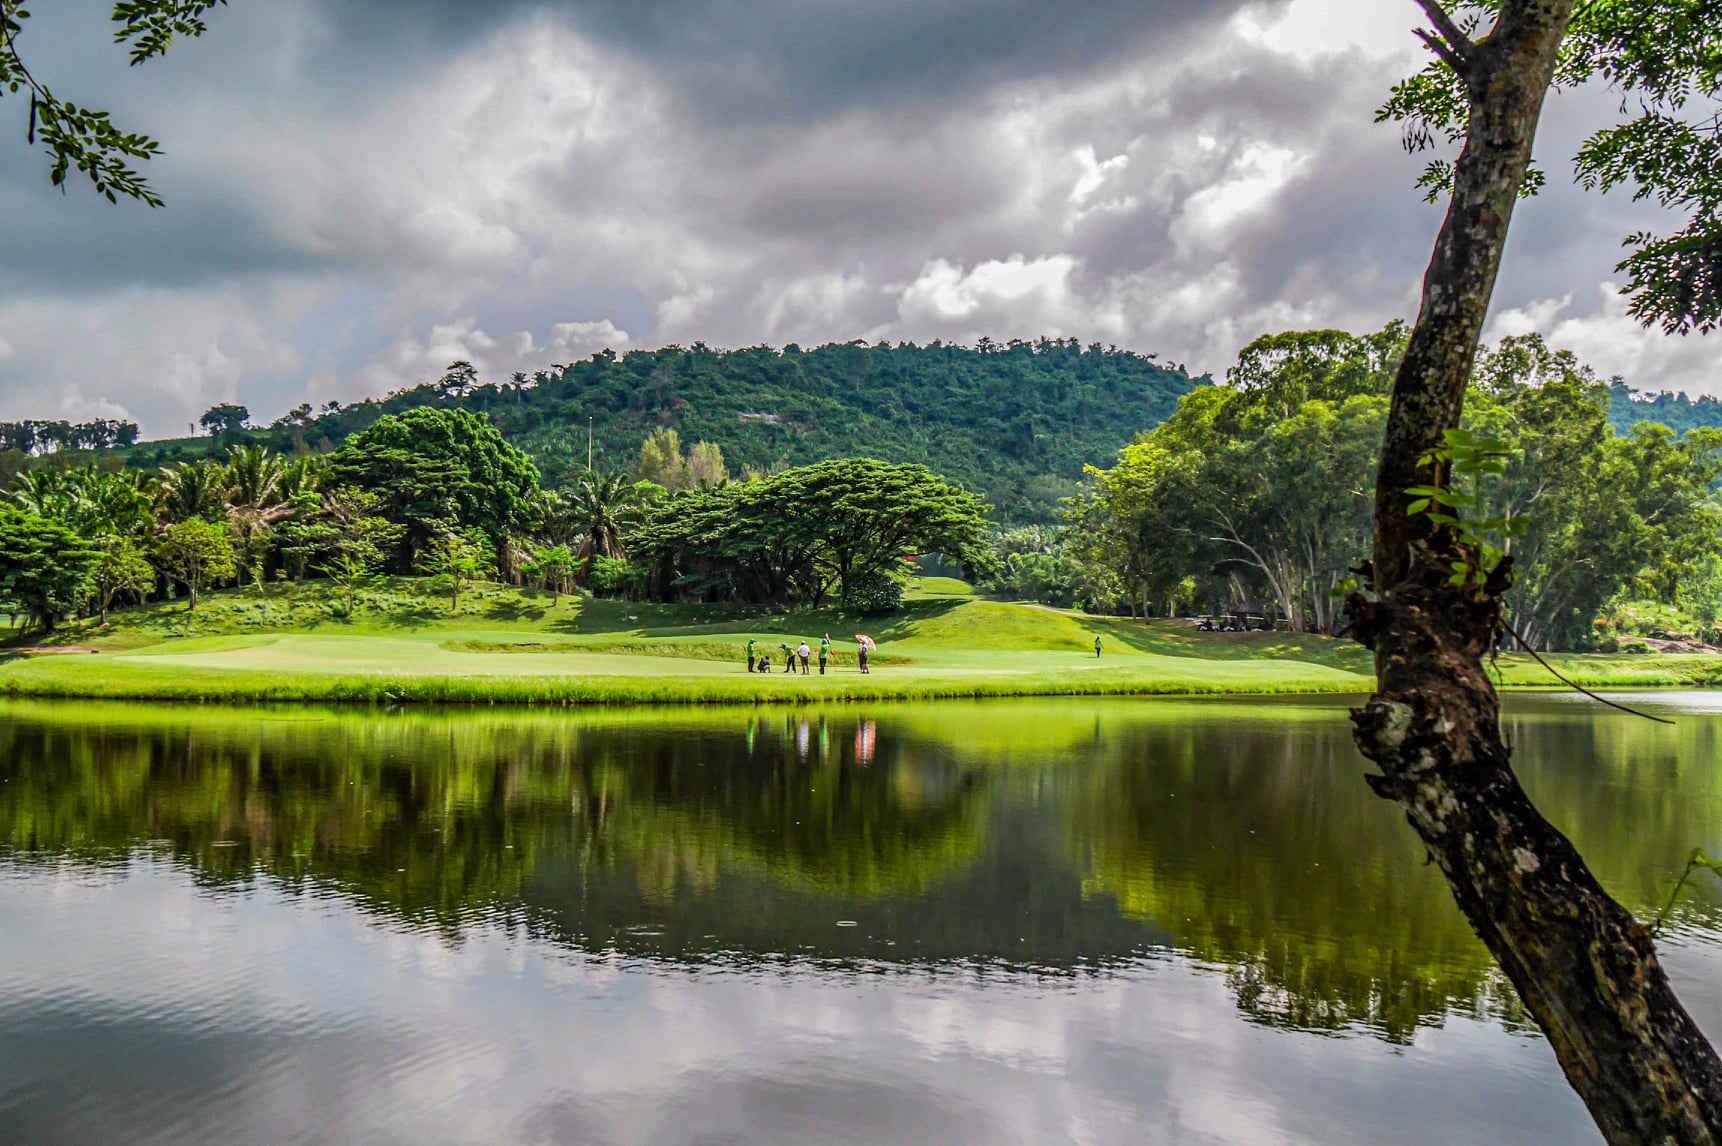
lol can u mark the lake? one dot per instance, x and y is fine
(1035, 921)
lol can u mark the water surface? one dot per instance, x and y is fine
(1088, 921)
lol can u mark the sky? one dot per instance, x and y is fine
(359, 194)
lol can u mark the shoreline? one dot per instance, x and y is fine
(92, 678)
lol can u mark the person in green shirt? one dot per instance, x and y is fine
(824, 652)
(750, 658)
(1097, 645)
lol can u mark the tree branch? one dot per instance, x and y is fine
(1458, 46)
(1461, 67)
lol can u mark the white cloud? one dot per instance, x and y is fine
(1612, 342)
(1211, 216)
(1312, 29)
(1014, 292)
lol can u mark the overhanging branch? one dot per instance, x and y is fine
(1456, 49)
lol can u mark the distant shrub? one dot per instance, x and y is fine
(610, 575)
(872, 593)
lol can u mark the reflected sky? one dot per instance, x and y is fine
(1026, 921)
(237, 1015)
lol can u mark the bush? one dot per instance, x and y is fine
(610, 575)
(872, 593)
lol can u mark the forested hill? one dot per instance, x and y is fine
(992, 417)
(1679, 413)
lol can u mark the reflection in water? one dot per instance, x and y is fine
(1024, 842)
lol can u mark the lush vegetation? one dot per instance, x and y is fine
(843, 525)
(1014, 422)
(1679, 413)
(1257, 495)
(1251, 498)
(441, 492)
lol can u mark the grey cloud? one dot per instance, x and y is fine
(357, 192)
(783, 60)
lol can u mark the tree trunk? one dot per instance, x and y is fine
(1585, 969)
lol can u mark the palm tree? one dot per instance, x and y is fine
(42, 492)
(257, 498)
(254, 477)
(189, 490)
(600, 507)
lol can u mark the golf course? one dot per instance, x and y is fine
(402, 643)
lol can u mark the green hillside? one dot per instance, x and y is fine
(992, 417)
(1628, 407)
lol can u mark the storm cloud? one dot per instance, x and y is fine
(358, 194)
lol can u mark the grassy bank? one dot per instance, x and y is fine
(514, 646)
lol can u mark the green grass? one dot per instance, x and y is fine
(509, 645)
(136, 679)
(937, 588)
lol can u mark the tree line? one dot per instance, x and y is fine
(32, 438)
(1261, 491)
(440, 492)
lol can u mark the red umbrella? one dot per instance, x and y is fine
(867, 642)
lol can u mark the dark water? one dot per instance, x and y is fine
(998, 922)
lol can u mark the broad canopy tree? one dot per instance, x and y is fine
(1431, 602)
(45, 567)
(797, 535)
(437, 471)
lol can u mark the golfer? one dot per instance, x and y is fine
(824, 652)
(788, 658)
(862, 655)
(803, 652)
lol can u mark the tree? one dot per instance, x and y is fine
(439, 470)
(257, 500)
(875, 515)
(662, 464)
(193, 490)
(600, 508)
(456, 559)
(705, 465)
(220, 421)
(791, 537)
(553, 565)
(1264, 479)
(351, 528)
(1430, 608)
(83, 137)
(45, 567)
(121, 568)
(459, 380)
(195, 552)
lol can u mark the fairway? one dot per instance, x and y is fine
(519, 646)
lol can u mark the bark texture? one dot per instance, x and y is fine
(1585, 969)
